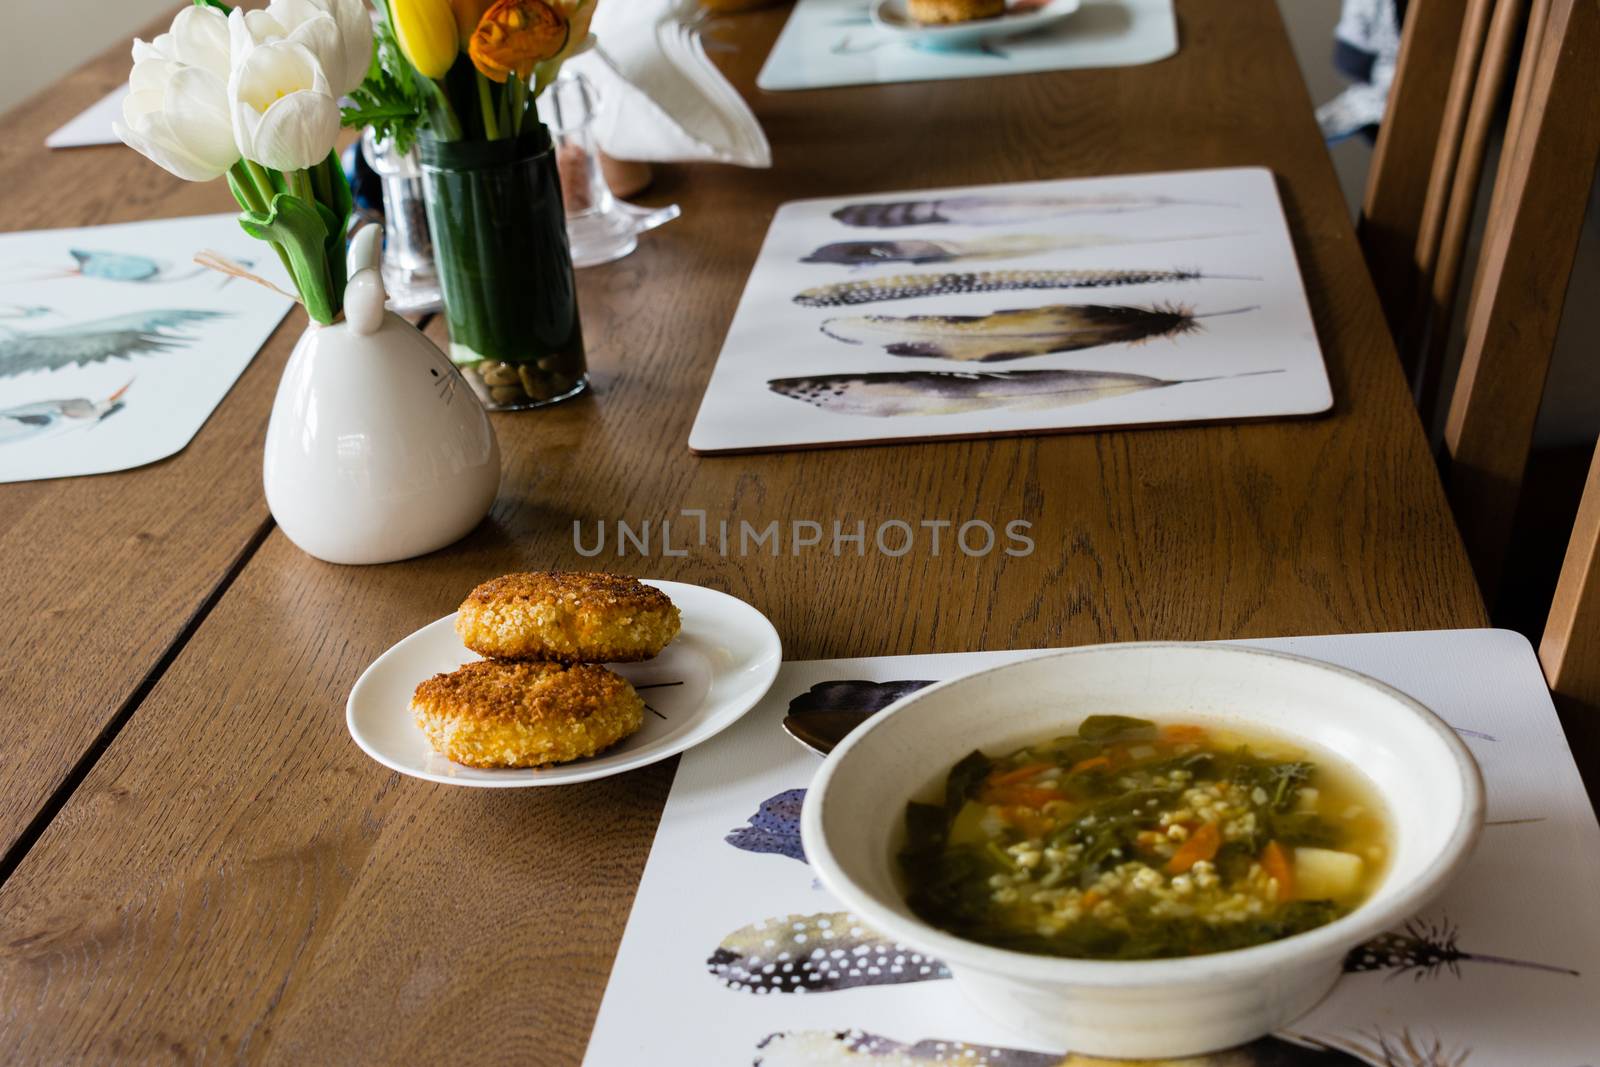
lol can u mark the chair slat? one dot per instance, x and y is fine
(1520, 287)
(1402, 160)
(1429, 327)
(1570, 649)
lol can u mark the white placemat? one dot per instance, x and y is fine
(115, 347)
(1487, 977)
(92, 125)
(833, 42)
(1028, 307)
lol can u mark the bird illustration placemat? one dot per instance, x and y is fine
(836, 42)
(734, 954)
(1033, 307)
(115, 346)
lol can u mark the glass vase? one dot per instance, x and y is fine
(500, 247)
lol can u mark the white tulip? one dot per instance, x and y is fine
(177, 115)
(198, 38)
(337, 32)
(285, 116)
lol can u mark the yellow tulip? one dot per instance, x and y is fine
(426, 30)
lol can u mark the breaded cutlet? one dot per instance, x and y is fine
(507, 714)
(569, 617)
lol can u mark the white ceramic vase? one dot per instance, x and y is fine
(377, 449)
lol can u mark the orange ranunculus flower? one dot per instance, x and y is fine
(513, 35)
(468, 14)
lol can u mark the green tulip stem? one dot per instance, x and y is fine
(446, 125)
(300, 185)
(516, 102)
(242, 180)
(486, 103)
(260, 179)
(244, 190)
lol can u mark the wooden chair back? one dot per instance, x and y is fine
(1535, 217)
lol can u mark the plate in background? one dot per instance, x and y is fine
(894, 17)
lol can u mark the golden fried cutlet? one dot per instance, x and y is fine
(567, 617)
(940, 12)
(499, 714)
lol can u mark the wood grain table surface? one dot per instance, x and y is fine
(233, 880)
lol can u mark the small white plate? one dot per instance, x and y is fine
(894, 17)
(721, 663)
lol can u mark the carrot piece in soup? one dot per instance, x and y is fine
(1183, 733)
(1275, 861)
(1028, 796)
(1020, 774)
(1090, 764)
(1201, 845)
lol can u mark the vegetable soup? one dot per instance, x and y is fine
(1129, 840)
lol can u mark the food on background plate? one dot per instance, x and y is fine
(940, 12)
(567, 617)
(1129, 840)
(518, 714)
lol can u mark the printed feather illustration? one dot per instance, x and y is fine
(1015, 333)
(816, 954)
(997, 210)
(1423, 949)
(46, 418)
(922, 252)
(845, 1048)
(774, 828)
(1403, 1049)
(119, 337)
(883, 394)
(820, 717)
(910, 286)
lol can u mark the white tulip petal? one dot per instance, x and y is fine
(165, 154)
(297, 131)
(320, 37)
(197, 103)
(151, 75)
(200, 36)
(135, 106)
(263, 27)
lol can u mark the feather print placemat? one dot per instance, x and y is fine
(734, 955)
(1034, 307)
(827, 43)
(115, 346)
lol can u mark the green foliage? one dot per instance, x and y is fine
(1116, 728)
(390, 100)
(965, 779)
(312, 240)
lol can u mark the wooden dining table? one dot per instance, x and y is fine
(198, 863)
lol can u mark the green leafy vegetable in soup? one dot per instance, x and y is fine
(1131, 841)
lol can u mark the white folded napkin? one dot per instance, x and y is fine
(661, 99)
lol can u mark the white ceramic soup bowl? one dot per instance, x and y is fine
(853, 827)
